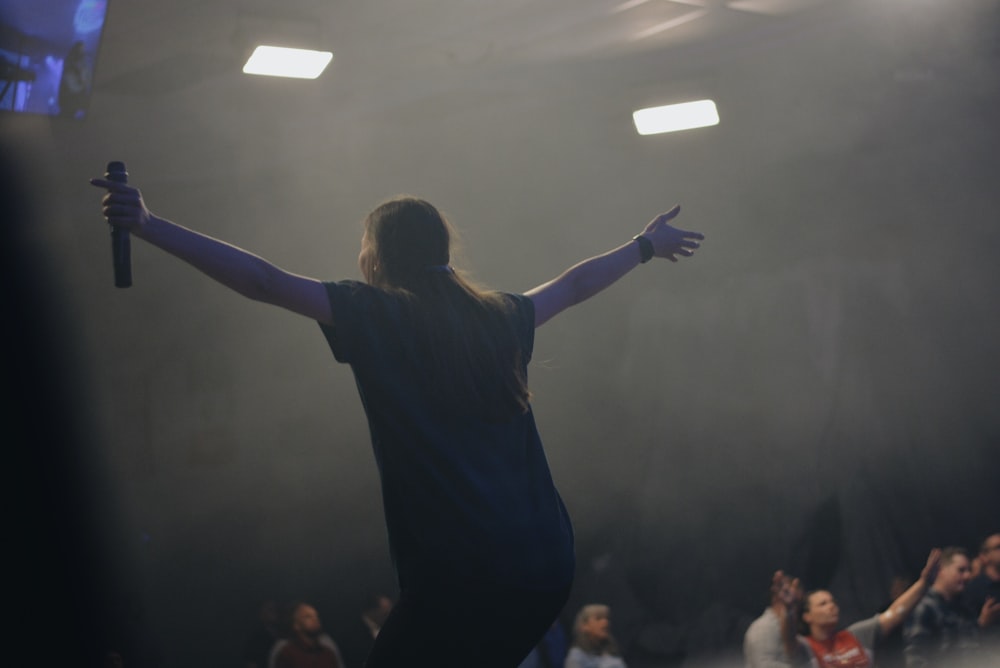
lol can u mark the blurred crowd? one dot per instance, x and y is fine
(948, 617)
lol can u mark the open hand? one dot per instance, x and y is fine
(930, 569)
(786, 589)
(669, 241)
(990, 614)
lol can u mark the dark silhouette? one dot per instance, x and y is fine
(480, 539)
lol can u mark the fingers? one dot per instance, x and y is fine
(122, 205)
(682, 248)
(130, 195)
(662, 221)
(664, 218)
(113, 204)
(933, 559)
(686, 235)
(111, 185)
(118, 211)
(118, 193)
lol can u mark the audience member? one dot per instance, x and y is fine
(359, 635)
(890, 647)
(763, 644)
(593, 644)
(306, 646)
(942, 631)
(982, 595)
(257, 651)
(854, 647)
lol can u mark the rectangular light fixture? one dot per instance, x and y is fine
(279, 61)
(674, 117)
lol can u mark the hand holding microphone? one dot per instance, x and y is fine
(124, 209)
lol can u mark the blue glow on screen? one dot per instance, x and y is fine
(90, 16)
(48, 51)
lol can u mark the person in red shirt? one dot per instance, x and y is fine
(828, 646)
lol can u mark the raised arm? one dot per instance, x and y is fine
(989, 614)
(903, 606)
(787, 595)
(585, 279)
(240, 270)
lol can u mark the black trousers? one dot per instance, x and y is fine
(465, 627)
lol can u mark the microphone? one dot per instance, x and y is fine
(121, 247)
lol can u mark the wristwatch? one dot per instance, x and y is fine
(645, 248)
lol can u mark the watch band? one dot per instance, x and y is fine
(646, 250)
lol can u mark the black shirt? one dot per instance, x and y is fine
(465, 500)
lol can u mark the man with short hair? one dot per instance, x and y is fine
(307, 646)
(941, 632)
